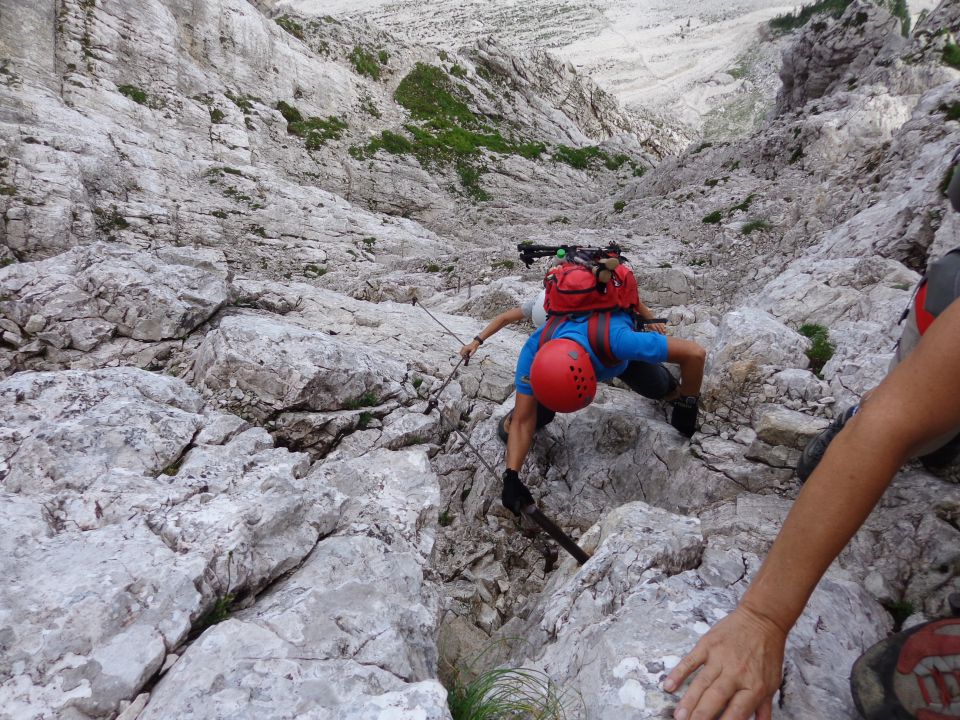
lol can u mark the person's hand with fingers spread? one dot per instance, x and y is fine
(740, 660)
(740, 663)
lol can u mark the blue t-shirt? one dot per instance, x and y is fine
(626, 343)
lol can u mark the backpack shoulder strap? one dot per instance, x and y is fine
(549, 328)
(598, 332)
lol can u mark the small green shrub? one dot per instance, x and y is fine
(292, 27)
(615, 162)
(8, 189)
(796, 155)
(136, 94)
(364, 420)
(639, 171)
(289, 112)
(314, 271)
(899, 610)
(458, 72)
(578, 158)
(821, 349)
(368, 399)
(619, 205)
(219, 214)
(744, 206)
(446, 518)
(701, 147)
(365, 62)
(432, 268)
(505, 264)
(108, 220)
(563, 220)
(950, 112)
(244, 102)
(315, 131)
(504, 693)
(218, 613)
(383, 56)
(417, 382)
(713, 218)
(951, 55)
(711, 182)
(216, 115)
(754, 225)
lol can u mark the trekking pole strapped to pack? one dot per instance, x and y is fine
(591, 282)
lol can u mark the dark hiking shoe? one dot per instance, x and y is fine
(913, 675)
(813, 452)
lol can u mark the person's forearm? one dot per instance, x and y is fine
(830, 508)
(500, 322)
(644, 311)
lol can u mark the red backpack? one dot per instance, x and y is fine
(594, 282)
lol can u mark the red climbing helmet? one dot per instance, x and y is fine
(562, 376)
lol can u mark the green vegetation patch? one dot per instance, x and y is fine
(292, 27)
(713, 218)
(109, 220)
(8, 189)
(314, 130)
(792, 21)
(951, 112)
(216, 115)
(429, 94)
(366, 63)
(619, 205)
(951, 55)
(755, 225)
(368, 399)
(821, 349)
(511, 693)
(140, 96)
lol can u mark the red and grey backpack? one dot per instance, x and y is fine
(590, 282)
(938, 288)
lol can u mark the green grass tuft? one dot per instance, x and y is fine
(951, 55)
(713, 218)
(138, 95)
(292, 27)
(368, 399)
(315, 131)
(365, 62)
(619, 205)
(754, 225)
(427, 92)
(821, 349)
(504, 693)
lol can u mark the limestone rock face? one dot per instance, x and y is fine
(243, 469)
(131, 515)
(69, 305)
(285, 367)
(832, 50)
(329, 642)
(612, 629)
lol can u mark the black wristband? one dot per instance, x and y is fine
(478, 339)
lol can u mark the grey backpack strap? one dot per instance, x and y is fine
(943, 283)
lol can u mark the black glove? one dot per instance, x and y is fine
(515, 494)
(684, 416)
